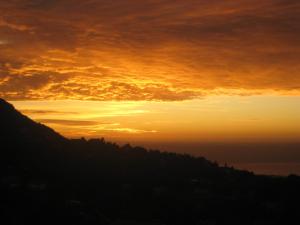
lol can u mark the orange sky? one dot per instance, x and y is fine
(214, 118)
(155, 70)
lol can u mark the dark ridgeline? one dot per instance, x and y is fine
(48, 179)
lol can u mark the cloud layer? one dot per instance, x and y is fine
(148, 50)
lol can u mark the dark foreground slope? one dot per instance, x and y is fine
(48, 179)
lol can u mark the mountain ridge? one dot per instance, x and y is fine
(79, 181)
(10, 119)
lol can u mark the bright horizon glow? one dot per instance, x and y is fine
(214, 118)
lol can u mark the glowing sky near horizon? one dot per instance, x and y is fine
(155, 69)
(215, 118)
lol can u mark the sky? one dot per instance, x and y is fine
(155, 71)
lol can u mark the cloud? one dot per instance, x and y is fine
(45, 112)
(80, 123)
(94, 126)
(2, 42)
(130, 130)
(148, 50)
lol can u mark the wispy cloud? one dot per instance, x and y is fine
(131, 130)
(94, 127)
(45, 112)
(70, 122)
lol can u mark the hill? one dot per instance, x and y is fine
(46, 178)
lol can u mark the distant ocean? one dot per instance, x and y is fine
(261, 158)
(281, 169)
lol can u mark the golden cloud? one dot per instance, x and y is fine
(148, 50)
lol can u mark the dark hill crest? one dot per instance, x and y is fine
(46, 179)
(16, 126)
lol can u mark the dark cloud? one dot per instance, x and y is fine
(69, 122)
(148, 50)
(45, 112)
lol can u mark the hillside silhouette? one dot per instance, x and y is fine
(46, 178)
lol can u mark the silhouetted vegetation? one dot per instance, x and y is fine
(48, 179)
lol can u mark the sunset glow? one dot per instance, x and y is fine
(217, 118)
